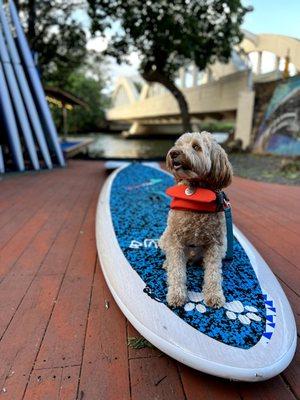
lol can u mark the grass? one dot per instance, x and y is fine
(139, 343)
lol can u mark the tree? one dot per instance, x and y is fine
(55, 35)
(169, 34)
(89, 89)
(87, 82)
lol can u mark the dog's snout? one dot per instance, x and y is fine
(174, 153)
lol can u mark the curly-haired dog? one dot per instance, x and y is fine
(196, 160)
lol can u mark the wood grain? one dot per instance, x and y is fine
(104, 372)
(155, 378)
(51, 288)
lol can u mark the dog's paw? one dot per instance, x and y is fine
(177, 297)
(215, 299)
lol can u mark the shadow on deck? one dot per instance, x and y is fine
(59, 341)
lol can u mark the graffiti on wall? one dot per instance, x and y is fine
(279, 131)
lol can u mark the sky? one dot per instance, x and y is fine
(269, 16)
(274, 16)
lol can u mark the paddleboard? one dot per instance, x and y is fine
(24, 88)
(37, 88)
(7, 114)
(111, 165)
(251, 338)
(2, 167)
(18, 103)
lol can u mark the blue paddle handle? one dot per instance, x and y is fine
(228, 216)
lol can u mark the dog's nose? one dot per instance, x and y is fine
(174, 153)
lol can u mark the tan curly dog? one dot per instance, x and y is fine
(196, 160)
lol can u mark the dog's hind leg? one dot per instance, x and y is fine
(176, 263)
(212, 286)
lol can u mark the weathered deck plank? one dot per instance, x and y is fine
(25, 234)
(274, 389)
(33, 315)
(210, 387)
(155, 378)
(68, 320)
(20, 199)
(104, 373)
(27, 266)
(18, 220)
(55, 305)
(53, 383)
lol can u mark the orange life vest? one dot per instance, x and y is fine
(198, 199)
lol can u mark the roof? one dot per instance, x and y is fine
(65, 97)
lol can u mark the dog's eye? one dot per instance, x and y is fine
(196, 147)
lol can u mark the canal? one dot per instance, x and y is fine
(115, 146)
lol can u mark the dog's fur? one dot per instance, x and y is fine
(196, 160)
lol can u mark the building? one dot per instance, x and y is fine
(221, 92)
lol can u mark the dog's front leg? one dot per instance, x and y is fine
(212, 286)
(176, 261)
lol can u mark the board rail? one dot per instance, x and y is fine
(109, 246)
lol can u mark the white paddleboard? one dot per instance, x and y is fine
(251, 338)
(111, 165)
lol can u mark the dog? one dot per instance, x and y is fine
(196, 160)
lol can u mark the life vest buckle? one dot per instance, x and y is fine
(226, 203)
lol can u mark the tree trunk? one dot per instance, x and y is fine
(155, 76)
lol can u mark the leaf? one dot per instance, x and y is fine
(139, 343)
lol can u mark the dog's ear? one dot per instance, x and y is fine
(169, 161)
(220, 175)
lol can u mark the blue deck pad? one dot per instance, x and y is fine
(139, 211)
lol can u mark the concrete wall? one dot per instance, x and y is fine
(213, 97)
(277, 44)
(244, 117)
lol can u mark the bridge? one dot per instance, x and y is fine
(221, 92)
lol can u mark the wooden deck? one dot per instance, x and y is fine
(59, 341)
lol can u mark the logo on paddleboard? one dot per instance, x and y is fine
(151, 182)
(146, 243)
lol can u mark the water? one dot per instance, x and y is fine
(114, 146)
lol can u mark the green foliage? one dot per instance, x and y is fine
(217, 126)
(54, 34)
(169, 34)
(139, 343)
(64, 62)
(87, 88)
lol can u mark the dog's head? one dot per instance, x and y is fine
(198, 158)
